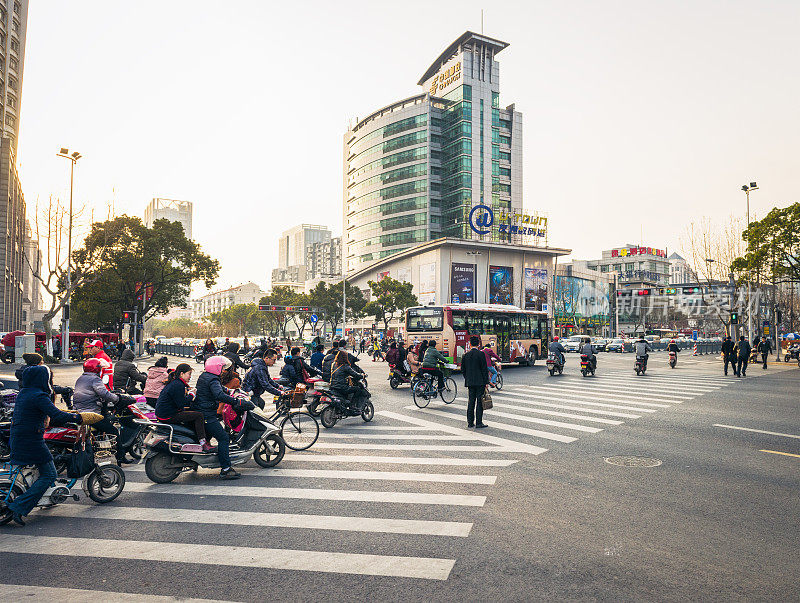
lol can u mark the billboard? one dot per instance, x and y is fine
(462, 284)
(501, 285)
(535, 288)
(427, 284)
(404, 275)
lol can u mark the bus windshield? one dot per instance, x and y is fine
(424, 319)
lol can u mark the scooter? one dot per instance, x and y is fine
(338, 408)
(640, 365)
(554, 363)
(791, 354)
(397, 378)
(173, 449)
(673, 358)
(587, 366)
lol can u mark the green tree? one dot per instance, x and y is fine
(392, 297)
(773, 247)
(328, 300)
(151, 269)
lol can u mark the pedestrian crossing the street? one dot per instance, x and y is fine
(366, 498)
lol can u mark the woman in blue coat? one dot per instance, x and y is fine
(33, 405)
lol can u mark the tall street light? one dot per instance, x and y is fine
(73, 157)
(747, 188)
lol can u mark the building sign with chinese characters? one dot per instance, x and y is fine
(627, 251)
(445, 78)
(517, 222)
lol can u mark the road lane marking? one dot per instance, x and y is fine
(506, 444)
(560, 392)
(622, 398)
(557, 437)
(574, 399)
(448, 478)
(536, 420)
(390, 436)
(271, 520)
(553, 413)
(408, 498)
(775, 433)
(783, 453)
(609, 413)
(398, 460)
(237, 556)
(412, 447)
(21, 592)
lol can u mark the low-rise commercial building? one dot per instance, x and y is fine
(248, 293)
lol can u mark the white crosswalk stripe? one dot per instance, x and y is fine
(48, 594)
(587, 406)
(555, 413)
(212, 554)
(561, 424)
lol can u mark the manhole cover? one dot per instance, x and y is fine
(632, 461)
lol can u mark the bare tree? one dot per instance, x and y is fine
(51, 228)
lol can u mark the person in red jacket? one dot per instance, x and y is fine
(95, 350)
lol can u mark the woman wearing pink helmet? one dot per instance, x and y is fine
(209, 394)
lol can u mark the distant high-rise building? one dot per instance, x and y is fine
(324, 259)
(13, 25)
(172, 210)
(293, 248)
(416, 169)
(31, 286)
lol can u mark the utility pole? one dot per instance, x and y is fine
(66, 311)
(747, 188)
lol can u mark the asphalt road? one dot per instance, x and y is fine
(415, 506)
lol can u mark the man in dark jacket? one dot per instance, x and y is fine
(765, 349)
(729, 356)
(33, 404)
(317, 357)
(126, 375)
(34, 359)
(295, 368)
(208, 396)
(341, 378)
(257, 380)
(743, 350)
(232, 354)
(476, 379)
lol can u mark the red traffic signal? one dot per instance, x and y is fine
(643, 292)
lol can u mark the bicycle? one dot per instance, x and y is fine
(426, 387)
(302, 430)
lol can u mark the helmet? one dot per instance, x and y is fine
(94, 365)
(216, 364)
(555, 338)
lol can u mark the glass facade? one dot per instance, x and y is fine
(414, 170)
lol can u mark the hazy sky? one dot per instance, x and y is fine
(637, 115)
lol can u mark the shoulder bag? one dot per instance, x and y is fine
(486, 401)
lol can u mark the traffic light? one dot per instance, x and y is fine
(127, 317)
(734, 318)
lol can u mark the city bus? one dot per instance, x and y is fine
(515, 335)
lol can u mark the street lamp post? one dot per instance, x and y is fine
(747, 188)
(65, 333)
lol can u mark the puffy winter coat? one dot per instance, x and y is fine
(209, 394)
(126, 375)
(90, 393)
(257, 380)
(33, 404)
(156, 380)
(172, 399)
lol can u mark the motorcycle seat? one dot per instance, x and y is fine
(180, 430)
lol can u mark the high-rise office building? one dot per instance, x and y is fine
(13, 233)
(414, 170)
(324, 259)
(172, 210)
(293, 247)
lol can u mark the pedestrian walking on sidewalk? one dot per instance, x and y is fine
(729, 355)
(765, 349)
(476, 379)
(743, 351)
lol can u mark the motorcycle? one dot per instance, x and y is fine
(791, 354)
(397, 378)
(640, 365)
(554, 363)
(173, 449)
(673, 358)
(587, 366)
(340, 408)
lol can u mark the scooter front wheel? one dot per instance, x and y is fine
(105, 483)
(271, 452)
(393, 382)
(368, 412)
(328, 417)
(158, 469)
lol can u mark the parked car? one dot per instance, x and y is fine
(600, 344)
(616, 345)
(574, 342)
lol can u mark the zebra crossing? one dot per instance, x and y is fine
(364, 499)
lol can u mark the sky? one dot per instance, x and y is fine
(639, 117)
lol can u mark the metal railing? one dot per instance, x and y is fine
(176, 349)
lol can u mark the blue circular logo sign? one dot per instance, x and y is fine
(481, 218)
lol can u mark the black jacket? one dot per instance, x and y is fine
(126, 375)
(232, 354)
(339, 377)
(728, 347)
(744, 349)
(172, 399)
(327, 366)
(293, 370)
(764, 346)
(209, 394)
(473, 365)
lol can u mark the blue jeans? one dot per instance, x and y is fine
(214, 429)
(24, 503)
(492, 375)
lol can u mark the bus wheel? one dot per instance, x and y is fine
(532, 354)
